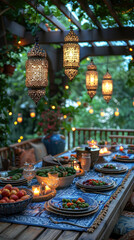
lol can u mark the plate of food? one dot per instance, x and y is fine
(96, 183)
(111, 168)
(123, 158)
(12, 177)
(131, 146)
(74, 203)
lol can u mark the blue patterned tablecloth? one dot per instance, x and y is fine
(36, 215)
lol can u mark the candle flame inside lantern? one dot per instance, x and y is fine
(121, 148)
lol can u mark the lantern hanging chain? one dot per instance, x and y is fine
(36, 27)
(107, 64)
(70, 14)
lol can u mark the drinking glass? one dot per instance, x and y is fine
(29, 172)
(86, 161)
(53, 180)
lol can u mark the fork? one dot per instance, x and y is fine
(66, 222)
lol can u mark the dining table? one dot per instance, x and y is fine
(37, 223)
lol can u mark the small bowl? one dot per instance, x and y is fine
(16, 207)
(63, 181)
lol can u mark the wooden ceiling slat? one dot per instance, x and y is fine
(86, 8)
(51, 18)
(114, 15)
(66, 12)
(109, 34)
(14, 28)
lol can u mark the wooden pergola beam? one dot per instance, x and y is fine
(14, 27)
(66, 12)
(102, 51)
(95, 35)
(51, 18)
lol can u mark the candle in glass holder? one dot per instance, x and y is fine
(36, 190)
(76, 166)
(47, 189)
(121, 148)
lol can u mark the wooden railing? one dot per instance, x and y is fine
(81, 135)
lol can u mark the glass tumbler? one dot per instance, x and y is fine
(86, 161)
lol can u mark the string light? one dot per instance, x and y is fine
(102, 113)
(69, 20)
(78, 103)
(88, 58)
(53, 107)
(116, 113)
(15, 123)
(32, 113)
(19, 42)
(131, 49)
(19, 118)
(19, 140)
(56, 29)
(91, 110)
(73, 129)
(21, 137)
(66, 87)
(65, 116)
(10, 113)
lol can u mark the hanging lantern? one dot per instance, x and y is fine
(116, 113)
(91, 79)
(107, 87)
(91, 110)
(36, 72)
(32, 113)
(19, 118)
(102, 113)
(71, 54)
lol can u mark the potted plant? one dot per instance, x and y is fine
(50, 124)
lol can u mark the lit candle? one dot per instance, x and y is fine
(36, 190)
(47, 189)
(121, 148)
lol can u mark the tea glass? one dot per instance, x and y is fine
(29, 172)
(86, 161)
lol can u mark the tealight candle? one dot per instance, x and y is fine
(121, 148)
(36, 190)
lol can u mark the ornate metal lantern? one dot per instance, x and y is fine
(71, 54)
(107, 87)
(36, 72)
(91, 79)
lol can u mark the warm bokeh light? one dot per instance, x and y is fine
(78, 103)
(69, 20)
(133, 101)
(88, 58)
(65, 116)
(107, 87)
(73, 129)
(49, 29)
(21, 137)
(19, 118)
(10, 113)
(66, 87)
(130, 49)
(102, 113)
(19, 140)
(56, 29)
(53, 107)
(32, 113)
(19, 42)
(15, 123)
(91, 110)
(116, 113)
(45, 102)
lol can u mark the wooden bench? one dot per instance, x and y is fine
(128, 139)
